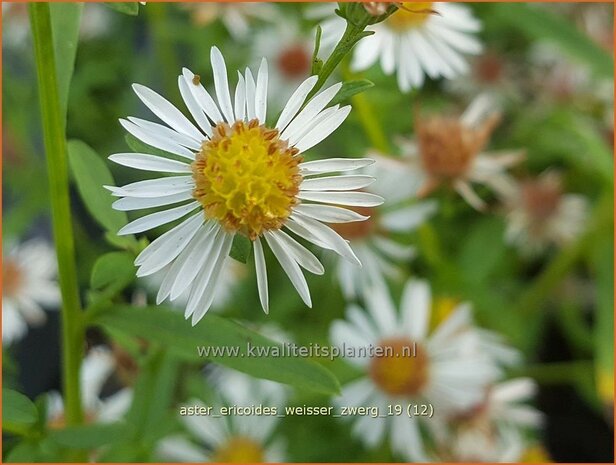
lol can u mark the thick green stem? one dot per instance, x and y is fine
(57, 166)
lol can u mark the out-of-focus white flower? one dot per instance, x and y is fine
(419, 39)
(448, 368)
(97, 366)
(380, 254)
(236, 16)
(540, 214)
(28, 284)
(289, 52)
(237, 174)
(450, 151)
(495, 430)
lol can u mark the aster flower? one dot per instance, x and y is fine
(445, 368)
(494, 430)
(450, 151)
(28, 284)
(231, 438)
(540, 214)
(242, 176)
(236, 16)
(419, 39)
(98, 365)
(381, 254)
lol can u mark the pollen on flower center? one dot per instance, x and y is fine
(239, 450)
(410, 15)
(447, 147)
(12, 277)
(357, 230)
(294, 61)
(401, 368)
(247, 178)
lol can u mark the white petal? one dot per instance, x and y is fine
(298, 252)
(295, 102)
(408, 218)
(323, 129)
(167, 112)
(160, 187)
(137, 203)
(261, 275)
(329, 213)
(193, 106)
(415, 306)
(312, 109)
(157, 141)
(336, 183)
(203, 97)
(159, 130)
(240, 97)
(326, 235)
(154, 220)
(354, 199)
(334, 164)
(292, 270)
(251, 112)
(261, 92)
(219, 70)
(143, 161)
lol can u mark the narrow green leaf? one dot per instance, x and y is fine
(113, 269)
(240, 248)
(537, 23)
(65, 19)
(90, 436)
(17, 409)
(128, 8)
(351, 88)
(90, 174)
(169, 328)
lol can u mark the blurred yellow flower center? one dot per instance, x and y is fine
(239, 450)
(410, 15)
(12, 278)
(402, 367)
(247, 178)
(447, 147)
(442, 308)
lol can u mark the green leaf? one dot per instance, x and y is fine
(113, 269)
(17, 410)
(482, 249)
(90, 436)
(90, 174)
(128, 8)
(537, 23)
(351, 88)
(65, 19)
(240, 248)
(169, 328)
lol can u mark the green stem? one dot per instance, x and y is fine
(57, 166)
(532, 299)
(157, 14)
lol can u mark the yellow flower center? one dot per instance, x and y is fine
(410, 15)
(401, 369)
(447, 147)
(239, 450)
(247, 178)
(12, 278)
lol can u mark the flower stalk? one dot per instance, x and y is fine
(57, 166)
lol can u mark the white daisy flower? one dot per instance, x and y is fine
(381, 255)
(98, 365)
(289, 52)
(450, 151)
(540, 214)
(240, 175)
(420, 39)
(29, 282)
(495, 430)
(446, 368)
(236, 16)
